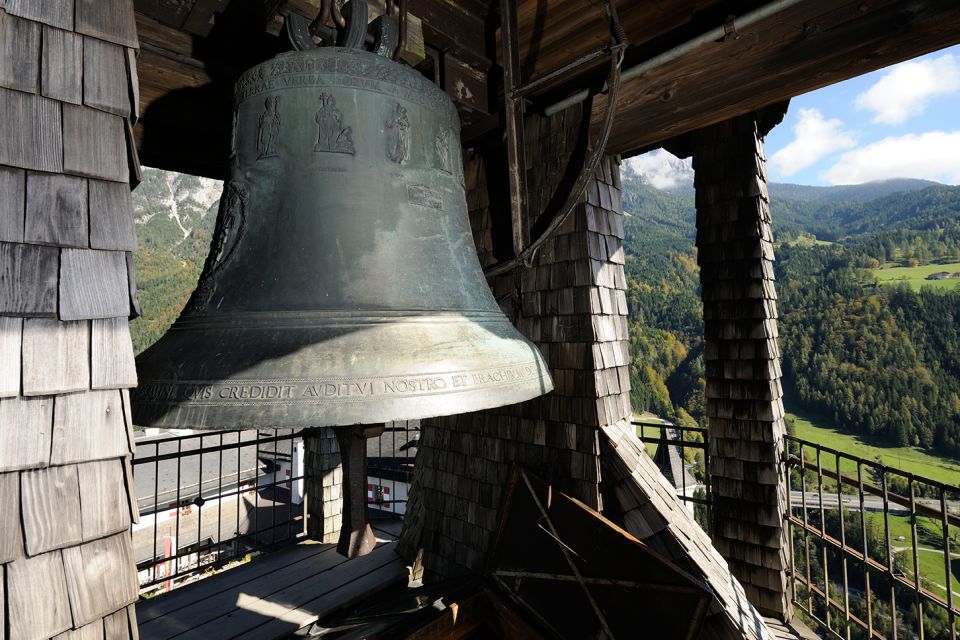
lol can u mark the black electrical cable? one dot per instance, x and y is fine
(617, 50)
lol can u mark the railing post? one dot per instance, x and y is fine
(743, 393)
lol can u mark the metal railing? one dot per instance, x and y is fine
(390, 460)
(688, 465)
(206, 499)
(870, 546)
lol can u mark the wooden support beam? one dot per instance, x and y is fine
(806, 47)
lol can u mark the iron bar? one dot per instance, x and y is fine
(866, 551)
(713, 35)
(843, 556)
(947, 573)
(916, 558)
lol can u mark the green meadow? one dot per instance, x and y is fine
(916, 276)
(910, 459)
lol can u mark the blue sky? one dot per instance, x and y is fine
(901, 121)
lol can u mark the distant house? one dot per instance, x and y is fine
(939, 275)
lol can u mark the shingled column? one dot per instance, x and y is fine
(744, 404)
(572, 304)
(66, 360)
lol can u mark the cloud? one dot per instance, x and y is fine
(814, 138)
(906, 89)
(662, 170)
(932, 155)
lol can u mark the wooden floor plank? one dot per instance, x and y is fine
(330, 589)
(206, 614)
(794, 630)
(233, 579)
(350, 593)
(387, 527)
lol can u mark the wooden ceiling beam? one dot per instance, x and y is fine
(810, 45)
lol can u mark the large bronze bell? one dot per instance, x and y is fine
(343, 285)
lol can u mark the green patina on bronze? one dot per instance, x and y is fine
(342, 285)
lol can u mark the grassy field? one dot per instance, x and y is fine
(910, 459)
(916, 276)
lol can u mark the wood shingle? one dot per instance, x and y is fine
(56, 357)
(56, 13)
(38, 604)
(19, 53)
(103, 499)
(112, 364)
(92, 631)
(88, 426)
(105, 83)
(13, 188)
(111, 216)
(62, 66)
(94, 143)
(50, 508)
(32, 131)
(10, 535)
(116, 626)
(110, 20)
(28, 280)
(11, 335)
(93, 284)
(101, 577)
(56, 212)
(25, 430)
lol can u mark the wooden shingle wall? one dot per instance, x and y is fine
(324, 484)
(743, 393)
(66, 360)
(572, 304)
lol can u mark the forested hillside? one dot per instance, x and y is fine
(175, 215)
(879, 360)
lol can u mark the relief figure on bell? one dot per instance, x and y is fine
(269, 128)
(398, 136)
(332, 135)
(442, 144)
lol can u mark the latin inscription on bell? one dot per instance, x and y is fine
(320, 390)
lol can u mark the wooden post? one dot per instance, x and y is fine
(744, 394)
(66, 361)
(324, 484)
